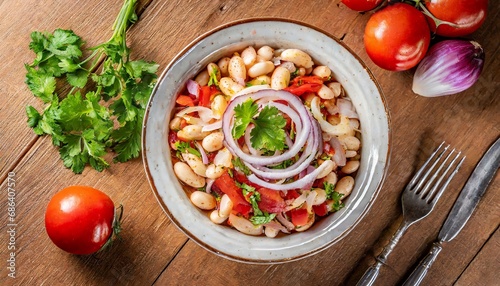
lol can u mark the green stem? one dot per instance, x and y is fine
(437, 21)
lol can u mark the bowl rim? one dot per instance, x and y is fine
(197, 240)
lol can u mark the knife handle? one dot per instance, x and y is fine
(419, 273)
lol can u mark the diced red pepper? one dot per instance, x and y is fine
(242, 178)
(304, 88)
(185, 100)
(321, 209)
(291, 194)
(271, 201)
(227, 185)
(300, 216)
(300, 80)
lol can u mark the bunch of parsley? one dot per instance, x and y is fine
(97, 116)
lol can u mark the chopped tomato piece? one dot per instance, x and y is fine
(205, 93)
(184, 100)
(242, 178)
(291, 194)
(227, 185)
(321, 209)
(271, 201)
(300, 216)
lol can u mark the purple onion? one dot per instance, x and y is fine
(450, 66)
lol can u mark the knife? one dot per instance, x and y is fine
(462, 210)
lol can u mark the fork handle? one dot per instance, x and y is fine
(419, 273)
(371, 273)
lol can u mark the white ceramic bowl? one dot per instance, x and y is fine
(347, 68)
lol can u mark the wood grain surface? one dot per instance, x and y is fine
(153, 250)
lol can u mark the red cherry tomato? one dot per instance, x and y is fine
(80, 219)
(468, 15)
(362, 5)
(397, 37)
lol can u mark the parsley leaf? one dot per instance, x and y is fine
(106, 119)
(336, 197)
(268, 133)
(238, 164)
(244, 114)
(259, 217)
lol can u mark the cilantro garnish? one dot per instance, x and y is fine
(336, 197)
(91, 119)
(238, 164)
(268, 133)
(259, 217)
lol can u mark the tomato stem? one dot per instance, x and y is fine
(436, 20)
(116, 226)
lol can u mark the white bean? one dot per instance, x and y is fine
(331, 178)
(350, 154)
(328, 169)
(223, 158)
(336, 88)
(237, 70)
(323, 72)
(192, 132)
(325, 92)
(218, 106)
(320, 196)
(350, 142)
(223, 66)
(350, 167)
(213, 142)
(271, 232)
(261, 68)
(344, 186)
(213, 68)
(249, 56)
(229, 87)
(214, 171)
(225, 206)
(195, 163)
(280, 78)
(175, 124)
(203, 200)
(216, 218)
(266, 52)
(298, 57)
(261, 80)
(244, 225)
(302, 71)
(186, 175)
(306, 226)
(202, 78)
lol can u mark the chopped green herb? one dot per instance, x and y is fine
(213, 78)
(82, 125)
(259, 217)
(238, 164)
(336, 197)
(185, 147)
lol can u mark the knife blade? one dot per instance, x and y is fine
(462, 210)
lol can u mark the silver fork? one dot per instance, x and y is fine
(418, 199)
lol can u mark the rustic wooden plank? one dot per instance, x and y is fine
(149, 240)
(483, 270)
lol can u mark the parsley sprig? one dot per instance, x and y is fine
(336, 197)
(268, 133)
(92, 118)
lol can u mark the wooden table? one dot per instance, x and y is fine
(153, 250)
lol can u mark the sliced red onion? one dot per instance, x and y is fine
(286, 223)
(276, 225)
(206, 114)
(252, 89)
(346, 108)
(450, 66)
(212, 126)
(193, 87)
(204, 157)
(342, 128)
(339, 157)
(208, 188)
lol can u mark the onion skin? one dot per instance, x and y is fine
(450, 67)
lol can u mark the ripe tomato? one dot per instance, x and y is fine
(362, 5)
(468, 15)
(80, 219)
(397, 37)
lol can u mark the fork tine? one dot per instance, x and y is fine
(433, 199)
(425, 193)
(419, 177)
